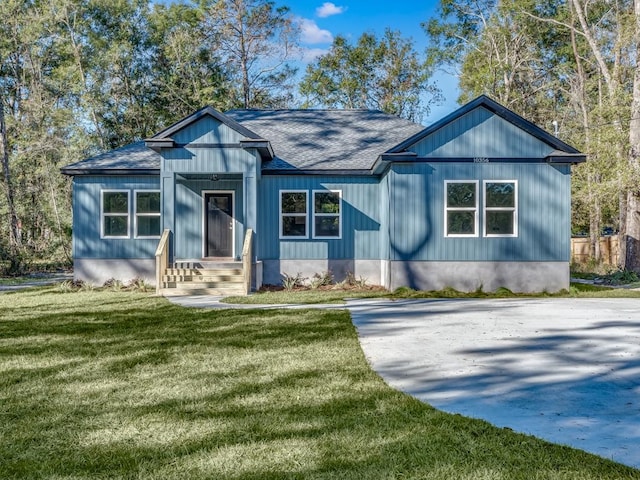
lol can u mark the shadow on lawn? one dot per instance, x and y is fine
(131, 386)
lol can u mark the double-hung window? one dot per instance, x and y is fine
(327, 214)
(147, 208)
(293, 214)
(115, 213)
(461, 208)
(500, 208)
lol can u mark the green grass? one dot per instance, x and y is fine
(305, 296)
(117, 385)
(578, 290)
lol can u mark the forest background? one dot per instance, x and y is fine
(78, 77)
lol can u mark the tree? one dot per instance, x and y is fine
(255, 40)
(632, 237)
(188, 73)
(385, 74)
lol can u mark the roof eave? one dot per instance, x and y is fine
(109, 171)
(156, 144)
(383, 162)
(263, 146)
(563, 158)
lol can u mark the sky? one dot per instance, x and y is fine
(321, 21)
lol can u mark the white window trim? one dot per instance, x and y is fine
(447, 209)
(103, 215)
(314, 214)
(281, 214)
(513, 209)
(136, 215)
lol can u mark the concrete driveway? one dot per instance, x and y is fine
(566, 370)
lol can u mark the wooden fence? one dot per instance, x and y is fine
(609, 248)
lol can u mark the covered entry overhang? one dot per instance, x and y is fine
(208, 214)
(217, 199)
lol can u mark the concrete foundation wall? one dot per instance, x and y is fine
(367, 269)
(521, 277)
(97, 271)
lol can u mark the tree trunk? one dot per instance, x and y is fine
(14, 233)
(632, 234)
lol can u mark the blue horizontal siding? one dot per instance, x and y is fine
(361, 220)
(480, 133)
(86, 218)
(417, 213)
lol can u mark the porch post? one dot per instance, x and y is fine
(168, 194)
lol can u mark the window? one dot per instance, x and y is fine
(293, 214)
(147, 214)
(115, 213)
(500, 209)
(461, 209)
(327, 214)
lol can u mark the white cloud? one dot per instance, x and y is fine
(327, 9)
(312, 34)
(310, 54)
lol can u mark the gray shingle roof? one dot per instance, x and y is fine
(133, 157)
(326, 139)
(301, 140)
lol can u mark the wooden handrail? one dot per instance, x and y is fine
(162, 259)
(246, 260)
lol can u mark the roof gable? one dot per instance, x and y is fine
(484, 128)
(185, 127)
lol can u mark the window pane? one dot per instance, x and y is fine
(147, 202)
(149, 226)
(461, 223)
(115, 202)
(327, 226)
(294, 226)
(115, 226)
(327, 202)
(500, 195)
(461, 195)
(294, 202)
(500, 223)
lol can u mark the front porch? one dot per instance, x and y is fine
(206, 277)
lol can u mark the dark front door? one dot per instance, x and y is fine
(219, 225)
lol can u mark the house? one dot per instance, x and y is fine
(479, 199)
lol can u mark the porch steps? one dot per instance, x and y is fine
(203, 278)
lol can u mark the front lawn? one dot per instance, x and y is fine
(337, 295)
(101, 384)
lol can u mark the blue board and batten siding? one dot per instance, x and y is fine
(189, 222)
(207, 130)
(417, 213)
(361, 220)
(418, 196)
(481, 133)
(87, 217)
(207, 146)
